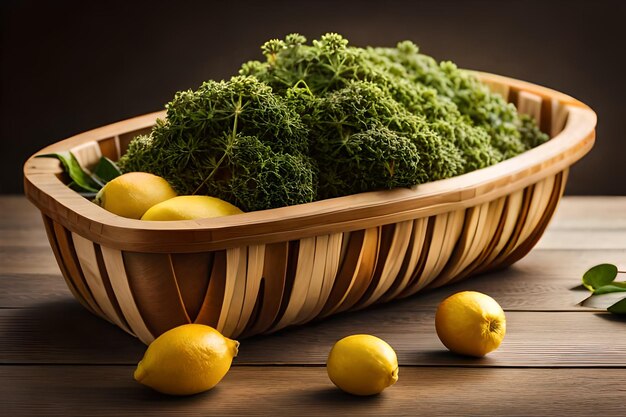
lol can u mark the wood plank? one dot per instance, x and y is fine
(18, 213)
(593, 239)
(543, 280)
(533, 339)
(31, 290)
(304, 391)
(590, 212)
(71, 335)
(28, 237)
(28, 260)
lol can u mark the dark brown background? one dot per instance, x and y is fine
(69, 66)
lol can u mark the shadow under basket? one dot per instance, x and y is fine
(262, 271)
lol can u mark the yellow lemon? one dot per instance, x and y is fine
(186, 360)
(470, 323)
(362, 364)
(131, 194)
(188, 207)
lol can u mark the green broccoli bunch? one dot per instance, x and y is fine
(326, 119)
(235, 140)
(412, 96)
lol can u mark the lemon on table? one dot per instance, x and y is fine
(470, 323)
(186, 360)
(131, 194)
(188, 207)
(362, 364)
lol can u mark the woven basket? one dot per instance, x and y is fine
(262, 271)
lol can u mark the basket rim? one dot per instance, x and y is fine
(347, 213)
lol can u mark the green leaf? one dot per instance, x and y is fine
(599, 276)
(81, 179)
(106, 170)
(614, 287)
(619, 307)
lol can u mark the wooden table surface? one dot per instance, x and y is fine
(556, 359)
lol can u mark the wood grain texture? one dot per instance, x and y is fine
(542, 281)
(461, 227)
(557, 358)
(585, 339)
(344, 214)
(19, 214)
(301, 391)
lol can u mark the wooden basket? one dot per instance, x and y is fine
(262, 271)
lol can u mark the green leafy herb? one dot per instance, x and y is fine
(599, 276)
(601, 281)
(327, 119)
(106, 170)
(618, 308)
(82, 181)
(235, 140)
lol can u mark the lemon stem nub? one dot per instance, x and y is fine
(140, 372)
(394, 376)
(234, 347)
(494, 326)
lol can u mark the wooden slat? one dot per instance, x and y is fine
(192, 272)
(71, 268)
(254, 275)
(274, 273)
(331, 269)
(316, 281)
(87, 257)
(348, 213)
(467, 248)
(411, 260)
(88, 154)
(301, 282)
(110, 148)
(530, 104)
(375, 239)
(573, 213)
(71, 335)
(543, 280)
(114, 264)
(389, 269)
(235, 291)
(105, 391)
(155, 291)
(214, 297)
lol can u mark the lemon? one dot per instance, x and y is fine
(470, 323)
(131, 194)
(186, 360)
(362, 364)
(188, 207)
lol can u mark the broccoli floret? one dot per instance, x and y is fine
(266, 179)
(510, 135)
(378, 158)
(359, 109)
(327, 119)
(459, 108)
(232, 139)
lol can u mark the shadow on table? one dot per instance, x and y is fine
(612, 317)
(63, 331)
(334, 396)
